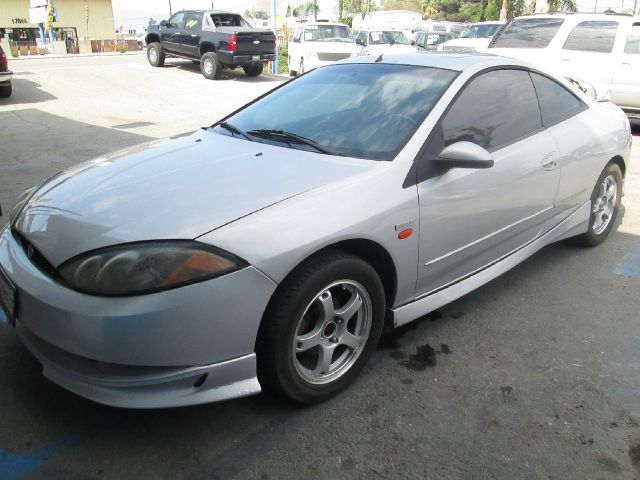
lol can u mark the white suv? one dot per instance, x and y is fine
(601, 47)
(320, 43)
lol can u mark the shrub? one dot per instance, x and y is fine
(122, 48)
(283, 58)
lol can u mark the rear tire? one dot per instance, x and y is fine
(155, 54)
(605, 205)
(331, 308)
(210, 66)
(254, 69)
(5, 90)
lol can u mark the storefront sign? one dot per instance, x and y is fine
(18, 21)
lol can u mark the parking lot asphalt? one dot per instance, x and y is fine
(534, 375)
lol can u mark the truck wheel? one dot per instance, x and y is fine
(254, 69)
(5, 90)
(210, 66)
(155, 54)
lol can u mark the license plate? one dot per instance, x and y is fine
(256, 57)
(7, 299)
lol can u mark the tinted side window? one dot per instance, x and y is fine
(632, 46)
(556, 102)
(193, 21)
(494, 110)
(177, 21)
(528, 33)
(592, 36)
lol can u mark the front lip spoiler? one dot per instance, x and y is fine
(166, 387)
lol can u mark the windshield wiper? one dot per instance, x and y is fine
(289, 137)
(232, 129)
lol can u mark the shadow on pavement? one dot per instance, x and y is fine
(236, 74)
(26, 91)
(37, 145)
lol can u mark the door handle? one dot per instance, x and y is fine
(549, 162)
(565, 60)
(626, 64)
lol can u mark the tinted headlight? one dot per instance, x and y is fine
(146, 267)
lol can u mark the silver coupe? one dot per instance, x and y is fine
(268, 250)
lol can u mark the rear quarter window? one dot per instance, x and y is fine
(592, 36)
(632, 46)
(556, 102)
(528, 33)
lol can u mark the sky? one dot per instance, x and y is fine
(137, 12)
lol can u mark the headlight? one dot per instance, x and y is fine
(22, 200)
(146, 267)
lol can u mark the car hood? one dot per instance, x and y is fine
(169, 189)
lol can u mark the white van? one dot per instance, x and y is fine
(319, 43)
(601, 47)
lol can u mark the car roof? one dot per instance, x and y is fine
(583, 16)
(457, 61)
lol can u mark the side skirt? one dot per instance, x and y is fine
(574, 224)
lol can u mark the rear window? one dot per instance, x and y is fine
(528, 33)
(480, 31)
(592, 36)
(228, 20)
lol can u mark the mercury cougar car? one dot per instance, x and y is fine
(268, 250)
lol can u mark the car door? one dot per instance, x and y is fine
(190, 37)
(295, 49)
(170, 34)
(625, 88)
(470, 218)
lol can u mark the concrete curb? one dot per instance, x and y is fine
(76, 55)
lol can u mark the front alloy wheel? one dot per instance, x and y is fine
(332, 332)
(321, 327)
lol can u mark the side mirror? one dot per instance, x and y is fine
(359, 41)
(164, 23)
(465, 155)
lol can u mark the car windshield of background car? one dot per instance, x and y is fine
(360, 110)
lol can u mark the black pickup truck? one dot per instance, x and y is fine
(216, 40)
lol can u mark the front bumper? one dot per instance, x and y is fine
(5, 77)
(230, 58)
(147, 351)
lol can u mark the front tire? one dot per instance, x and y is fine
(254, 69)
(605, 205)
(210, 66)
(321, 327)
(5, 90)
(155, 54)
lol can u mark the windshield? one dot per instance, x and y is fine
(529, 33)
(383, 37)
(359, 110)
(480, 31)
(327, 33)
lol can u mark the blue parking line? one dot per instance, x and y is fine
(15, 465)
(630, 265)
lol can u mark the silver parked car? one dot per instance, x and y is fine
(268, 250)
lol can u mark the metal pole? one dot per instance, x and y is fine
(635, 4)
(274, 68)
(170, 12)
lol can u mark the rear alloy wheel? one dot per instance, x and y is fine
(605, 204)
(210, 66)
(321, 328)
(254, 69)
(155, 54)
(5, 90)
